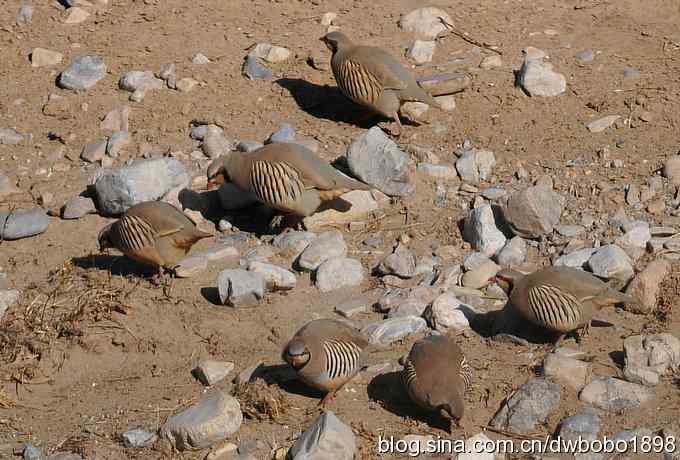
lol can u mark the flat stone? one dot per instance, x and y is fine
(410, 307)
(514, 252)
(77, 207)
(10, 136)
(352, 307)
(191, 266)
(447, 102)
(209, 372)
(421, 51)
(533, 212)
(248, 146)
(40, 57)
(475, 165)
(327, 438)
(7, 299)
(481, 232)
(611, 262)
(275, 278)
(612, 394)
(494, 193)
(576, 259)
(646, 286)
(83, 73)
(201, 132)
(240, 288)
(215, 145)
(339, 272)
(118, 141)
(390, 330)
(116, 119)
(211, 420)
(254, 71)
(326, 246)
(94, 152)
(491, 62)
(537, 78)
(362, 203)
(232, 197)
(401, 263)
(569, 231)
(567, 371)
(445, 83)
(377, 160)
(533, 53)
(599, 125)
(425, 23)
(270, 53)
(292, 243)
(439, 171)
(138, 438)
(530, 405)
(285, 133)
(137, 80)
(583, 426)
(447, 313)
(22, 223)
(76, 16)
(143, 180)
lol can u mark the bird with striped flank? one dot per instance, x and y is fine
(153, 233)
(326, 354)
(371, 77)
(284, 176)
(436, 376)
(560, 299)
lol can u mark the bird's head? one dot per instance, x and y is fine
(454, 409)
(335, 40)
(506, 279)
(217, 172)
(296, 354)
(104, 238)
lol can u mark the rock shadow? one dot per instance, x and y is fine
(114, 264)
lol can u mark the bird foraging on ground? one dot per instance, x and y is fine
(560, 299)
(436, 376)
(284, 176)
(326, 354)
(371, 77)
(153, 233)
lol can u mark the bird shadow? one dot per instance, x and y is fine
(389, 391)
(285, 377)
(327, 103)
(211, 294)
(116, 265)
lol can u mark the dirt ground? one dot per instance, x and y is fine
(93, 349)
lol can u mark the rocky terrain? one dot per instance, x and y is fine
(557, 145)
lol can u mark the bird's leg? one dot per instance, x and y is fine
(400, 127)
(585, 330)
(558, 339)
(158, 278)
(326, 399)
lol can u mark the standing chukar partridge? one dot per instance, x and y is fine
(371, 77)
(153, 233)
(436, 376)
(326, 354)
(560, 299)
(284, 176)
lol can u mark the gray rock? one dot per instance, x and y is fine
(326, 439)
(390, 330)
(611, 262)
(649, 358)
(200, 132)
(637, 237)
(118, 141)
(116, 119)
(260, 253)
(533, 212)
(531, 404)
(567, 371)
(339, 272)
(211, 420)
(494, 193)
(513, 253)
(240, 288)
(352, 307)
(628, 436)
(292, 243)
(275, 278)
(376, 160)
(248, 146)
(630, 72)
(438, 171)
(326, 246)
(137, 80)
(646, 286)
(232, 197)
(401, 263)
(253, 70)
(31, 452)
(25, 15)
(94, 152)
(209, 372)
(7, 299)
(582, 426)
(447, 313)
(612, 394)
(538, 79)
(474, 260)
(586, 55)
(421, 51)
(425, 23)
(475, 165)
(10, 136)
(576, 259)
(22, 223)
(410, 307)
(599, 125)
(200, 59)
(569, 231)
(83, 73)
(64, 456)
(285, 133)
(270, 53)
(481, 232)
(77, 207)
(143, 180)
(138, 438)
(191, 266)
(215, 145)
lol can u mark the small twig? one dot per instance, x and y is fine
(299, 20)
(464, 36)
(512, 434)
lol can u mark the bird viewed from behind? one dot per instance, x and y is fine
(153, 233)
(560, 299)
(284, 176)
(371, 77)
(326, 354)
(436, 376)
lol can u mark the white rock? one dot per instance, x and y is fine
(240, 288)
(326, 246)
(275, 278)
(191, 266)
(576, 259)
(270, 53)
(481, 232)
(599, 125)
(439, 171)
(425, 22)
(475, 165)
(338, 273)
(421, 52)
(387, 331)
(567, 371)
(538, 79)
(611, 262)
(491, 62)
(447, 313)
(513, 253)
(7, 299)
(326, 439)
(209, 371)
(40, 57)
(612, 394)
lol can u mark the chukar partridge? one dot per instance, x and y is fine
(560, 299)
(285, 176)
(326, 354)
(371, 77)
(152, 233)
(436, 376)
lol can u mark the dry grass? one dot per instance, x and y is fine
(5, 401)
(260, 401)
